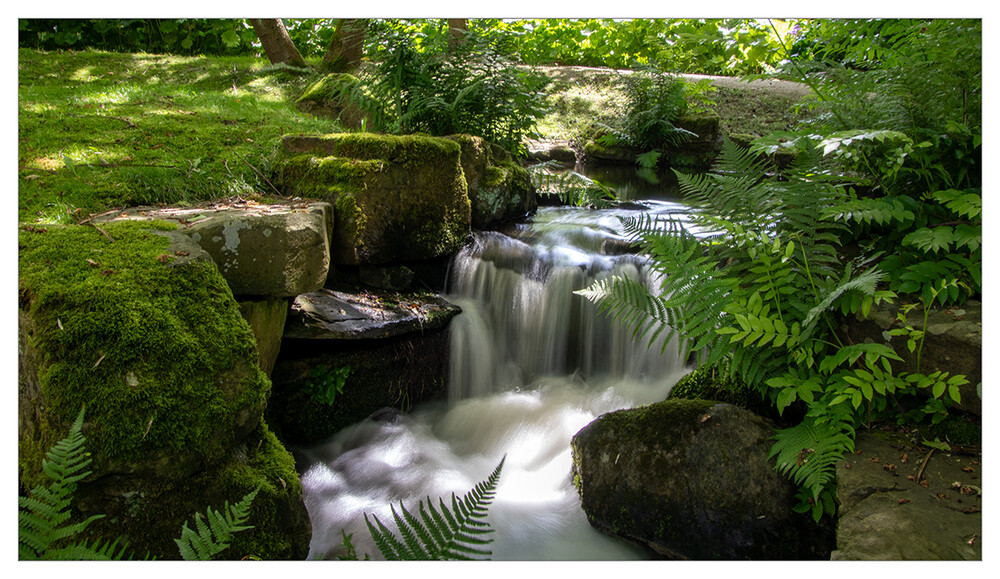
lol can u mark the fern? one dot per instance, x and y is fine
(44, 531)
(214, 532)
(459, 533)
(809, 451)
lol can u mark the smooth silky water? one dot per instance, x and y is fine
(531, 364)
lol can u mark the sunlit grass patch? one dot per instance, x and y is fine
(101, 130)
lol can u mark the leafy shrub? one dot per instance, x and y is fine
(176, 36)
(420, 85)
(760, 292)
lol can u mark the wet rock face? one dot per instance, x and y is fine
(690, 479)
(887, 513)
(335, 315)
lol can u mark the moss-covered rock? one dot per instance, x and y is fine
(500, 190)
(716, 383)
(267, 321)
(396, 198)
(690, 479)
(152, 343)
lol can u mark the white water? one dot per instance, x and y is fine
(531, 364)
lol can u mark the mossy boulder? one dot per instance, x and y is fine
(500, 190)
(715, 382)
(396, 198)
(129, 321)
(690, 479)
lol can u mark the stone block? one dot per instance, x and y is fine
(396, 198)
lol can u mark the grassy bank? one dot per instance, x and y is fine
(100, 130)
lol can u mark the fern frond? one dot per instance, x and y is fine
(809, 452)
(42, 516)
(214, 536)
(458, 533)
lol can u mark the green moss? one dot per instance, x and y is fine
(159, 355)
(329, 86)
(716, 383)
(268, 465)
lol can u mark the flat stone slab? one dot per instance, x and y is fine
(335, 315)
(261, 250)
(888, 513)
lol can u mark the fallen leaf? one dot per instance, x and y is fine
(967, 469)
(704, 418)
(903, 501)
(905, 458)
(163, 258)
(182, 253)
(874, 459)
(92, 263)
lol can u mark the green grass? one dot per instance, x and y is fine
(100, 130)
(576, 106)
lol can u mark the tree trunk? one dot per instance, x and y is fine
(346, 45)
(277, 44)
(457, 28)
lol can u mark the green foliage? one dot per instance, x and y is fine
(176, 36)
(459, 533)
(418, 84)
(570, 187)
(326, 382)
(702, 46)
(44, 531)
(653, 103)
(213, 532)
(758, 293)
(43, 527)
(898, 108)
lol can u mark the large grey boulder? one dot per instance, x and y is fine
(277, 253)
(887, 513)
(690, 479)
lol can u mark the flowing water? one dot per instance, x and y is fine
(531, 364)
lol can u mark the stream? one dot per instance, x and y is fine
(531, 364)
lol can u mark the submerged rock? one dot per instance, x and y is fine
(690, 479)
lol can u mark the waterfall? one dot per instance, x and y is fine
(531, 364)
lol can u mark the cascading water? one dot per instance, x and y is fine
(531, 364)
